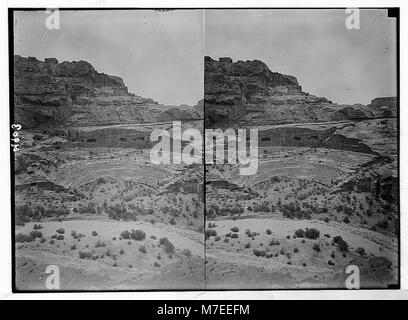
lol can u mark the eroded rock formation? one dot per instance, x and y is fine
(48, 93)
(249, 93)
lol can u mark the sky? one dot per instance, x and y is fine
(345, 66)
(159, 55)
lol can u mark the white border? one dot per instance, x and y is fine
(5, 220)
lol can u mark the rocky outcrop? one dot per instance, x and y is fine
(384, 107)
(48, 93)
(249, 93)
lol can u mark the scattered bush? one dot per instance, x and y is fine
(84, 255)
(143, 249)
(312, 233)
(235, 229)
(259, 252)
(100, 244)
(316, 247)
(21, 237)
(268, 231)
(138, 235)
(36, 234)
(168, 246)
(94, 233)
(341, 244)
(125, 234)
(61, 231)
(299, 233)
(210, 233)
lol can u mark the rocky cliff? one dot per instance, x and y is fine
(249, 93)
(49, 93)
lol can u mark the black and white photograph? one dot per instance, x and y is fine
(204, 149)
(324, 195)
(89, 201)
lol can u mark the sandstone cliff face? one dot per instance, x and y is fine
(248, 93)
(48, 93)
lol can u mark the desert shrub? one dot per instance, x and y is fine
(235, 229)
(274, 242)
(212, 225)
(73, 247)
(36, 234)
(60, 237)
(295, 250)
(259, 252)
(342, 245)
(85, 255)
(143, 249)
(217, 238)
(346, 220)
(94, 233)
(248, 245)
(186, 252)
(138, 235)
(43, 240)
(234, 236)
(316, 247)
(168, 246)
(38, 226)
(172, 221)
(228, 235)
(268, 231)
(52, 241)
(156, 264)
(100, 244)
(299, 233)
(121, 251)
(21, 237)
(293, 210)
(61, 231)
(312, 233)
(210, 233)
(125, 234)
(360, 251)
(226, 240)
